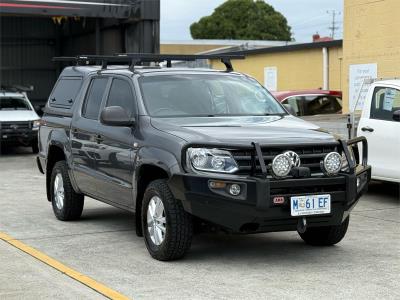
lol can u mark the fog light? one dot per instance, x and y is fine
(234, 189)
(332, 163)
(281, 165)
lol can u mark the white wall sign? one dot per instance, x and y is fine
(357, 75)
(271, 78)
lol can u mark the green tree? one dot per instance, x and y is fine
(244, 20)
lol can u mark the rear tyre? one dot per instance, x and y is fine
(167, 227)
(325, 235)
(67, 204)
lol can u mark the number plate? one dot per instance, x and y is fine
(310, 205)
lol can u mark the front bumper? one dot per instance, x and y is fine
(254, 209)
(24, 137)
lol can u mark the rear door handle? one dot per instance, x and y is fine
(367, 129)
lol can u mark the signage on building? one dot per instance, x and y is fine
(271, 78)
(359, 83)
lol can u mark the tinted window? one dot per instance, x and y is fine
(201, 95)
(65, 92)
(13, 104)
(94, 97)
(121, 95)
(385, 102)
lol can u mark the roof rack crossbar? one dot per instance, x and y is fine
(133, 59)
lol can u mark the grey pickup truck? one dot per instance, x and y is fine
(187, 150)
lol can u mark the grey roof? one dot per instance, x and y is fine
(287, 48)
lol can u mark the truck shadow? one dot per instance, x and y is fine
(390, 190)
(8, 151)
(285, 248)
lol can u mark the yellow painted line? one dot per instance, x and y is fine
(89, 282)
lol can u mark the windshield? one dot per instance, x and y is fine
(200, 95)
(13, 104)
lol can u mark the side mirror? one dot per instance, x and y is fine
(290, 109)
(396, 115)
(116, 116)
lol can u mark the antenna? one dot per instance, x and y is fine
(333, 28)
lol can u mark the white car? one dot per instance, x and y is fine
(380, 124)
(19, 123)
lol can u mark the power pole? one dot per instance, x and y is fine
(333, 27)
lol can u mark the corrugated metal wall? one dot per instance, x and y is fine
(27, 46)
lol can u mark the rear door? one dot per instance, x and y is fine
(382, 132)
(116, 147)
(85, 136)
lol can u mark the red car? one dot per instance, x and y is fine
(311, 102)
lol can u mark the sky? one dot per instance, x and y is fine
(306, 17)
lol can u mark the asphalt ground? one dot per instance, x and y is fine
(103, 246)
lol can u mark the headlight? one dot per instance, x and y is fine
(281, 165)
(211, 160)
(36, 124)
(332, 163)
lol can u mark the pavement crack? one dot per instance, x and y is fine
(375, 218)
(375, 209)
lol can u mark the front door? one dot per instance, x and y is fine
(382, 133)
(116, 149)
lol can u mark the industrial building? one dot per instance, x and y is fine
(33, 32)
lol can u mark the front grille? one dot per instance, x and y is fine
(15, 126)
(310, 157)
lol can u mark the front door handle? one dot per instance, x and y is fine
(99, 139)
(367, 128)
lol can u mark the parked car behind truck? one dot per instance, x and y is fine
(185, 147)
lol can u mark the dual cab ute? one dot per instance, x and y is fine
(193, 148)
(19, 123)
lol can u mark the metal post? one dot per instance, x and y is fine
(325, 66)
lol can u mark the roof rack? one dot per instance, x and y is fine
(135, 59)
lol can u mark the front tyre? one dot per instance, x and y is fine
(67, 204)
(167, 227)
(325, 235)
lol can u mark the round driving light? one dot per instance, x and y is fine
(281, 165)
(198, 158)
(218, 162)
(234, 189)
(332, 163)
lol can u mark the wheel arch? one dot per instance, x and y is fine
(55, 153)
(146, 173)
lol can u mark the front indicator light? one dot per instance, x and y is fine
(332, 164)
(281, 165)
